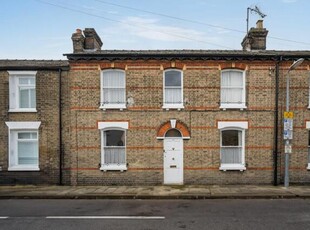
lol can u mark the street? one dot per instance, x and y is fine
(155, 214)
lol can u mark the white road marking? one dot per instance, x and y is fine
(108, 217)
(4, 217)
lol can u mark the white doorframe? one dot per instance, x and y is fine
(173, 160)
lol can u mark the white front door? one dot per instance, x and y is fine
(173, 161)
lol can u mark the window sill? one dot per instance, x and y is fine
(114, 167)
(23, 110)
(232, 167)
(233, 106)
(113, 106)
(24, 168)
(308, 168)
(176, 106)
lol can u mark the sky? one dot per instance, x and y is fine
(42, 29)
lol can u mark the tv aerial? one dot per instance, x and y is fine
(256, 10)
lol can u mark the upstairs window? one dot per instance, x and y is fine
(173, 89)
(233, 89)
(22, 91)
(113, 89)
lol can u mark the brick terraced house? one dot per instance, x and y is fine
(147, 117)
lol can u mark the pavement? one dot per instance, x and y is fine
(154, 192)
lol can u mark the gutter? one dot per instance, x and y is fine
(33, 68)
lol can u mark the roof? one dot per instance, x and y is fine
(33, 64)
(187, 55)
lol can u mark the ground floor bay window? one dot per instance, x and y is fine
(113, 145)
(232, 145)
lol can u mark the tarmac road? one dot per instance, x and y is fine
(155, 214)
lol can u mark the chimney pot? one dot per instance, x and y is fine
(259, 24)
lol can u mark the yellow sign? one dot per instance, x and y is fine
(288, 114)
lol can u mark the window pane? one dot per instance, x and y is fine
(114, 79)
(24, 135)
(173, 133)
(27, 153)
(32, 98)
(231, 96)
(231, 155)
(232, 79)
(28, 135)
(32, 81)
(173, 96)
(114, 96)
(23, 81)
(231, 138)
(309, 138)
(173, 78)
(114, 138)
(24, 98)
(114, 155)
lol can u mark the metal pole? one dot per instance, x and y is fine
(287, 142)
(247, 21)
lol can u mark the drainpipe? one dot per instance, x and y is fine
(60, 128)
(276, 128)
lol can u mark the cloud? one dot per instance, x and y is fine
(152, 29)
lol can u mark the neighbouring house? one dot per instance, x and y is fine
(148, 117)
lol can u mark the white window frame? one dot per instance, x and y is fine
(14, 129)
(105, 126)
(14, 77)
(170, 105)
(239, 126)
(234, 105)
(111, 105)
(308, 128)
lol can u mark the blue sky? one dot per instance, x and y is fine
(37, 29)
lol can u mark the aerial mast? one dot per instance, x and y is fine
(255, 10)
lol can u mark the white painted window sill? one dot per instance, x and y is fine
(23, 110)
(308, 166)
(176, 106)
(113, 106)
(24, 168)
(232, 167)
(114, 167)
(233, 106)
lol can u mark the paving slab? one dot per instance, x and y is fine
(154, 192)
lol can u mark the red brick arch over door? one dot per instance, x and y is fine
(173, 124)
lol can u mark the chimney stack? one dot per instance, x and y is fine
(92, 40)
(87, 41)
(256, 38)
(78, 41)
